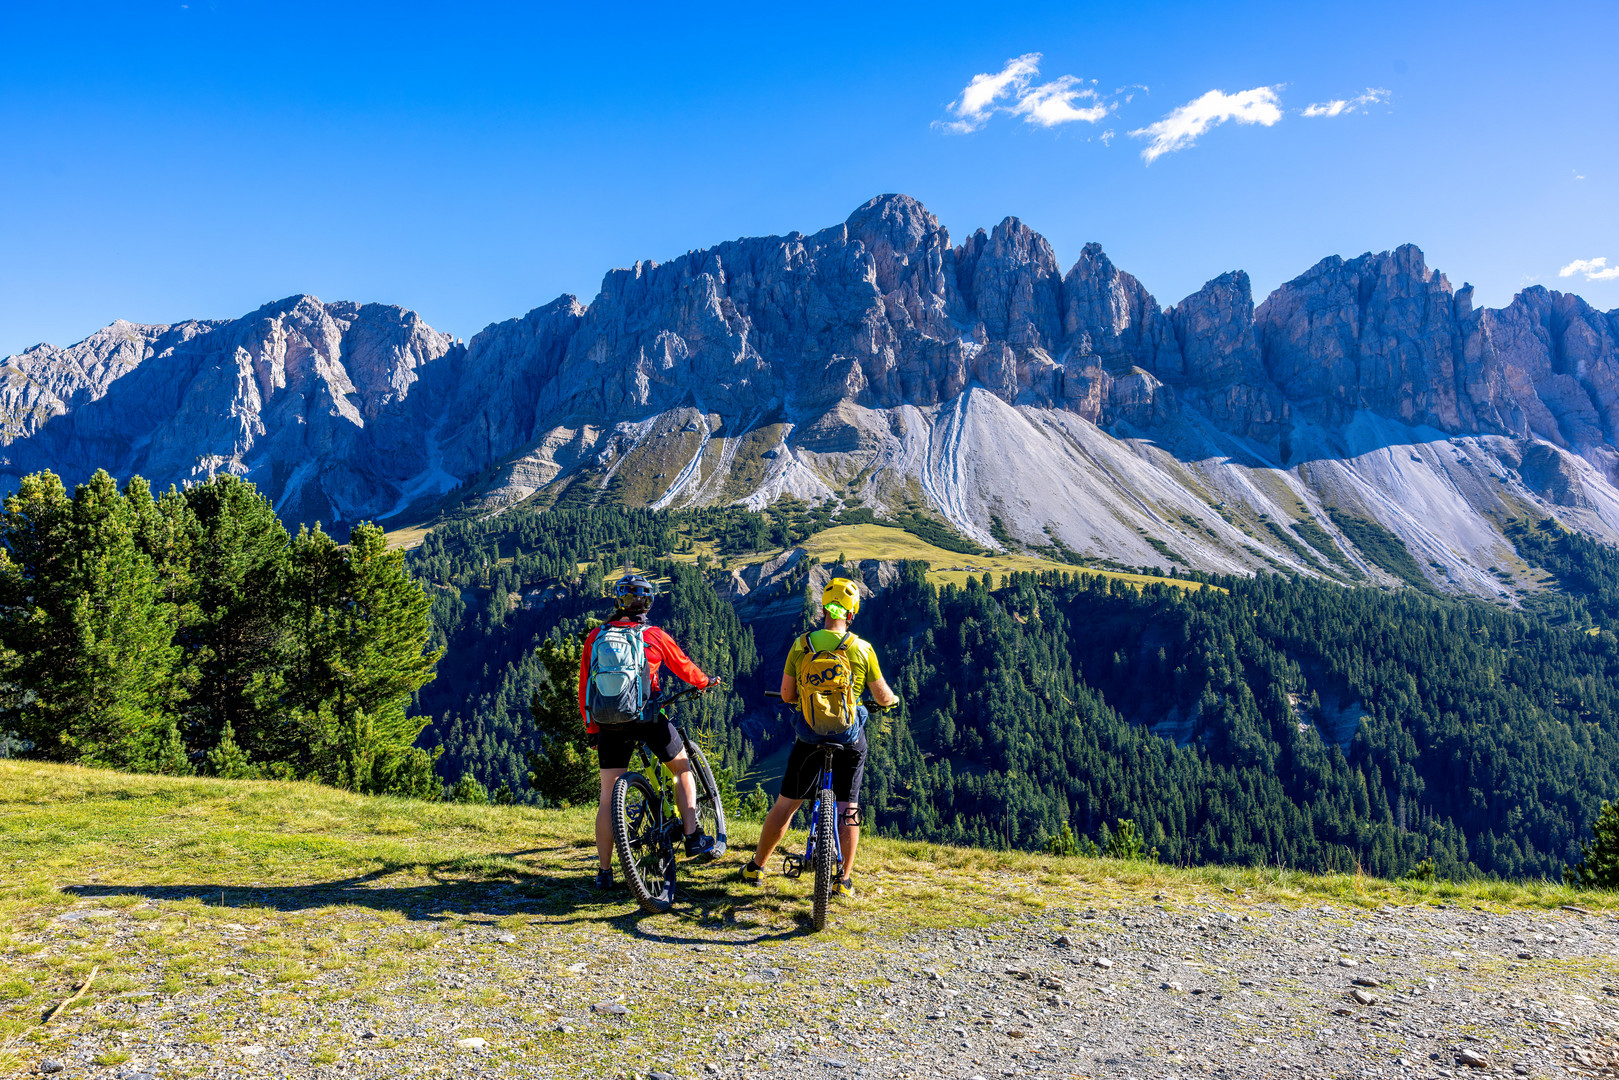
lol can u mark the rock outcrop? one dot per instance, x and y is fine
(313, 401)
(874, 361)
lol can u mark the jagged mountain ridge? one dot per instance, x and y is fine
(875, 362)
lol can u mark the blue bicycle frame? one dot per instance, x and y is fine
(793, 865)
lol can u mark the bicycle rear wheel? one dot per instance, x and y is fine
(826, 854)
(710, 812)
(645, 850)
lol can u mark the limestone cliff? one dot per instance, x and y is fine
(877, 362)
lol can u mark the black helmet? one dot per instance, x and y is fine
(633, 594)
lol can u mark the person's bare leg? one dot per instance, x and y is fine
(775, 827)
(604, 817)
(848, 835)
(685, 791)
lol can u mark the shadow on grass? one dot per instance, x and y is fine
(567, 898)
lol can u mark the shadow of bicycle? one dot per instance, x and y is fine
(706, 912)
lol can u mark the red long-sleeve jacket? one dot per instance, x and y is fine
(661, 650)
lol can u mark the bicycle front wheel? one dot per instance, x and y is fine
(641, 835)
(826, 854)
(710, 811)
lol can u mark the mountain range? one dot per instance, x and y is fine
(1363, 422)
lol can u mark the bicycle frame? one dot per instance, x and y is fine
(793, 865)
(649, 762)
(647, 827)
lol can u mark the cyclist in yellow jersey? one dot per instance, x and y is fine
(839, 603)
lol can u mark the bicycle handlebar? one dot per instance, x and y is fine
(864, 700)
(669, 697)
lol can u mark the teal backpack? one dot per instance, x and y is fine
(616, 692)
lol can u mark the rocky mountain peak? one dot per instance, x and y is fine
(894, 227)
(876, 363)
(1108, 315)
(1010, 281)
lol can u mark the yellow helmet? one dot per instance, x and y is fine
(841, 598)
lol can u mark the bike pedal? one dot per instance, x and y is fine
(792, 865)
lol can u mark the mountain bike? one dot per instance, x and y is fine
(646, 818)
(824, 852)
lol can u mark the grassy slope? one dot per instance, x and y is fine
(856, 542)
(408, 536)
(341, 894)
(882, 542)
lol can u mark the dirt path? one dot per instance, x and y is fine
(501, 983)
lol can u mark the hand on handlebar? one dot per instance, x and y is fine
(866, 701)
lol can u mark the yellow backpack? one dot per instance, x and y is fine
(826, 691)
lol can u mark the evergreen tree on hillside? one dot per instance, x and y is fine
(1598, 867)
(90, 639)
(562, 771)
(355, 648)
(236, 551)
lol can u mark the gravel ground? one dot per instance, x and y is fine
(496, 981)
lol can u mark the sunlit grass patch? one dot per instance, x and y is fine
(217, 882)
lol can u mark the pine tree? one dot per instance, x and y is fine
(563, 769)
(227, 760)
(236, 553)
(1599, 866)
(171, 758)
(356, 650)
(85, 619)
(467, 790)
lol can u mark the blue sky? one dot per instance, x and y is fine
(163, 160)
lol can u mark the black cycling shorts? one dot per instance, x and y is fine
(617, 742)
(802, 777)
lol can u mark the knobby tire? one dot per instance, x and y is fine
(640, 834)
(826, 855)
(710, 812)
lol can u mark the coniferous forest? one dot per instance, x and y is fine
(1298, 723)
(189, 632)
(1267, 720)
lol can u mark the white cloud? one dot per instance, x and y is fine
(1182, 127)
(1593, 269)
(1009, 91)
(1326, 108)
(1052, 103)
(977, 101)
(1340, 106)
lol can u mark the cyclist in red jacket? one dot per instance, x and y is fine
(616, 742)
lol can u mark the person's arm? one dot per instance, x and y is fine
(677, 661)
(880, 693)
(584, 677)
(876, 685)
(789, 681)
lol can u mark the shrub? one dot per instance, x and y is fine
(1126, 843)
(1064, 844)
(1599, 869)
(467, 790)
